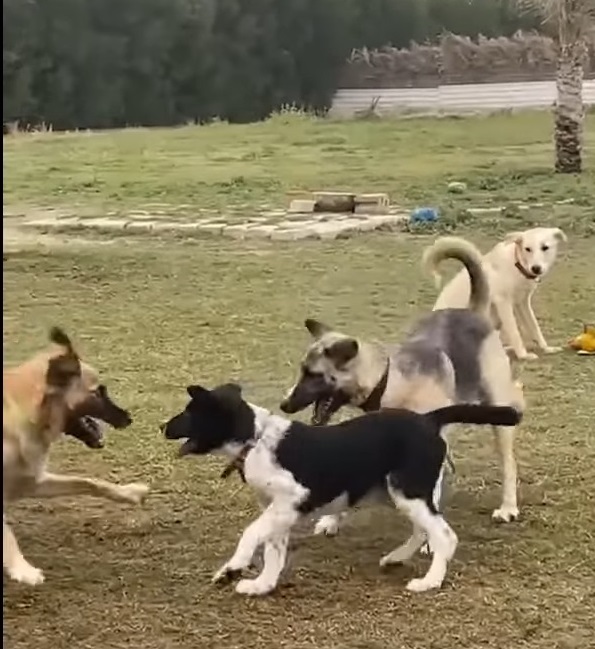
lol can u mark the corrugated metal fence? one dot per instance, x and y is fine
(454, 98)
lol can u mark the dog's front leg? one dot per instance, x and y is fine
(50, 485)
(275, 557)
(508, 510)
(511, 331)
(272, 525)
(533, 328)
(15, 564)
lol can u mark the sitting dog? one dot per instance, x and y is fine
(449, 356)
(297, 469)
(52, 393)
(514, 268)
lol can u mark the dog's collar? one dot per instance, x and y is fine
(522, 270)
(237, 463)
(372, 403)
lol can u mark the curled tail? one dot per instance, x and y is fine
(465, 252)
(466, 413)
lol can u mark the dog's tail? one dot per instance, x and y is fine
(466, 413)
(465, 252)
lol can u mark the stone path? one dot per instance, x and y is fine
(276, 225)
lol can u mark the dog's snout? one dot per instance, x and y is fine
(535, 269)
(284, 406)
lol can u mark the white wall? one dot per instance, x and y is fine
(456, 98)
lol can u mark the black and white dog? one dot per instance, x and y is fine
(297, 468)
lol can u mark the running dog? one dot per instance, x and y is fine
(515, 268)
(450, 356)
(52, 393)
(297, 469)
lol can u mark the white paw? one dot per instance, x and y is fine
(27, 574)
(134, 492)
(551, 350)
(505, 514)
(327, 525)
(527, 356)
(421, 585)
(400, 555)
(254, 587)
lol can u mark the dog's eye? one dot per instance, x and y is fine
(545, 247)
(528, 248)
(309, 374)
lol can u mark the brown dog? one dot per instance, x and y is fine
(52, 393)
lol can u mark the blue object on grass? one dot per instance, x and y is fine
(424, 215)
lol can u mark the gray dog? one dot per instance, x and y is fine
(450, 356)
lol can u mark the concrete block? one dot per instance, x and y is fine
(213, 228)
(236, 231)
(260, 232)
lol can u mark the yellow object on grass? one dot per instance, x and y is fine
(584, 343)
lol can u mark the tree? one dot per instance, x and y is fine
(572, 23)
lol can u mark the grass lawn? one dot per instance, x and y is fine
(236, 169)
(155, 314)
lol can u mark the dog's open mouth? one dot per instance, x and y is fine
(86, 429)
(325, 407)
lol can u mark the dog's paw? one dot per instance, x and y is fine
(421, 585)
(551, 350)
(134, 492)
(25, 573)
(527, 356)
(505, 514)
(254, 587)
(327, 525)
(225, 574)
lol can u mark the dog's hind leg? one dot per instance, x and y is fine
(441, 538)
(50, 485)
(508, 510)
(329, 524)
(15, 564)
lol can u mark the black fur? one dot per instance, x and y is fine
(352, 458)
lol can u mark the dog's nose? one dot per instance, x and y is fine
(284, 406)
(536, 270)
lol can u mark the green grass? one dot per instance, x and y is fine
(155, 315)
(239, 168)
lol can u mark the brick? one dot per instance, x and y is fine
(369, 208)
(260, 232)
(292, 234)
(372, 199)
(302, 206)
(214, 228)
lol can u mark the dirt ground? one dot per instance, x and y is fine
(155, 315)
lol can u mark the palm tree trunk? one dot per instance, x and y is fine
(569, 110)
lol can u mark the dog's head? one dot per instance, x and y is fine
(86, 399)
(328, 374)
(537, 248)
(213, 421)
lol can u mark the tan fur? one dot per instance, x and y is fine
(511, 292)
(34, 413)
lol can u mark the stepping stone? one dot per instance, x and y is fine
(302, 206)
(372, 199)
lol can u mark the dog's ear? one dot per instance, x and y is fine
(342, 351)
(514, 237)
(59, 337)
(197, 392)
(559, 235)
(316, 328)
(62, 370)
(228, 393)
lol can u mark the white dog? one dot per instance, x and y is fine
(514, 267)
